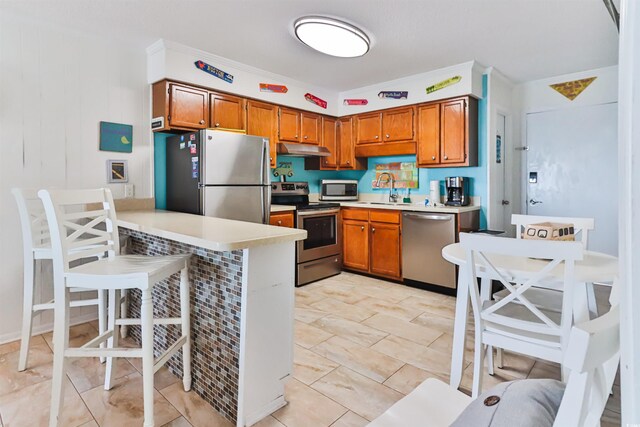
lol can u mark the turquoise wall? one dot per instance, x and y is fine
(477, 174)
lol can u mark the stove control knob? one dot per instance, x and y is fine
(274, 186)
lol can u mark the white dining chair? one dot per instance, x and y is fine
(592, 355)
(515, 323)
(71, 227)
(36, 246)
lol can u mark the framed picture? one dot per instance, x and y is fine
(116, 137)
(117, 171)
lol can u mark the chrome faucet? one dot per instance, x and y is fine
(393, 197)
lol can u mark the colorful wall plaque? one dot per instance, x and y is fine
(572, 89)
(355, 102)
(214, 71)
(116, 137)
(405, 175)
(314, 99)
(443, 84)
(267, 87)
(393, 94)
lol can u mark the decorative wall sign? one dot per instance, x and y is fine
(117, 171)
(267, 87)
(394, 94)
(355, 102)
(443, 84)
(314, 99)
(214, 71)
(284, 169)
(116, 137)
(498, 149)
(405, 175)
(572, 89)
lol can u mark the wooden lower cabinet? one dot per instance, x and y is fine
(372, 241)
(281, 219)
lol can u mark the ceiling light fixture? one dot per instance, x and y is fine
(331, 36)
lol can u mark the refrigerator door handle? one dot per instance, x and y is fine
(266, 203)
(264, 165)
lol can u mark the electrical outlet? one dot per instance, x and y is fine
(128, 191)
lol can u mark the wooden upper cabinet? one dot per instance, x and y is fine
(227, 112)
(289, 125)
(188, 107)
(368, 128)
(385, 249)
(262, 120)
(428, 151)
(346, 155)
(398, 124)
(330, 141)
(310, 128)
(453, 131)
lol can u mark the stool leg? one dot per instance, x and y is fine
(490, 360)
(60, 345)
(591, 300)
(124, 312)
(185, 314)
(147, 356)
(102, 317)
(114, 314)
(27, 312)
(499, 353)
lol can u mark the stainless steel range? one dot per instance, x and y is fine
(320, 254)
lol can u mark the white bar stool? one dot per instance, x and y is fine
(36, 247)
(72, 228)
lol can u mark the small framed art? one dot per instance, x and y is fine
(117, 171)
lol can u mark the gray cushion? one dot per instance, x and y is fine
(521, 403)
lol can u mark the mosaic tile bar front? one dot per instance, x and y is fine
(216, 286)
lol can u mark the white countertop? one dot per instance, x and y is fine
(206, 232)
(411, 207)
(282, 208)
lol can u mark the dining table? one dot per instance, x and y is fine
(595, 267)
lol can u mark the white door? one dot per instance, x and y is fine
(571, 168)
(502, 203)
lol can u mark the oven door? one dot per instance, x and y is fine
(323, 234)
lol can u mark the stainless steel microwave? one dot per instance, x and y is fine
(338, 189)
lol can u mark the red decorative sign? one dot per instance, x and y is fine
(267, 87)
(355, 102)
(312, 98)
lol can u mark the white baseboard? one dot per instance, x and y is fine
(47, 327)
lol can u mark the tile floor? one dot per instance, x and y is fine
(360, 345)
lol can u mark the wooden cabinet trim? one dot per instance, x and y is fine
(355, 214)
(383, 215)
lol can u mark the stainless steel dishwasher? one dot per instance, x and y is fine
(423, 237)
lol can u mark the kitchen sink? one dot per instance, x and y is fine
(384, 203)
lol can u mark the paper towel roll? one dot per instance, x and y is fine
(434, 192)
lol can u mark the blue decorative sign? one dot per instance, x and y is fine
(116, 137)
(395, 94)
(214, 71)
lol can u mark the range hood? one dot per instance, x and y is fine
(302, 150)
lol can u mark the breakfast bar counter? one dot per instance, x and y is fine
(242, 298)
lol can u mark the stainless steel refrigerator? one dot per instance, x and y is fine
(219, 174)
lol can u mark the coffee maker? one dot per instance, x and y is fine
(457, 190)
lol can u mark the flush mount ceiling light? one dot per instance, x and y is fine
(331, 36)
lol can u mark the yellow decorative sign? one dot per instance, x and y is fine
(572, 89)
(443, 84)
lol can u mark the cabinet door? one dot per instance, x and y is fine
(368, 128)
(281, 219)
(330, 140)
(289, 125)
(346, 156)
(189, 107)
(262, 120)
(397, 125)
(453, 131)
(227, 112)
(310, 128)
(355, 244)
(428, 150)
(385, 249)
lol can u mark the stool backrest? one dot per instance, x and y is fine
(581, 226)
(33, 220)
(77, 232)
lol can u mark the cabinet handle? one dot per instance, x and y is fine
(296, 136)
(387, 136)
(279, 222)
(305, 137)
(433, 157)
(217, 125)
(201, 122)
(348, 162)
(362, 228)
(445, 157)
(376, 136)
(271, 159)
(373, 230)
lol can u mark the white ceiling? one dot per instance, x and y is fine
(524, 39)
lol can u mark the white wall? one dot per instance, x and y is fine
(55, 88)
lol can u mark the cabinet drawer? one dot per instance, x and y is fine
(379, 215)
(357, 214)
(282, 219)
